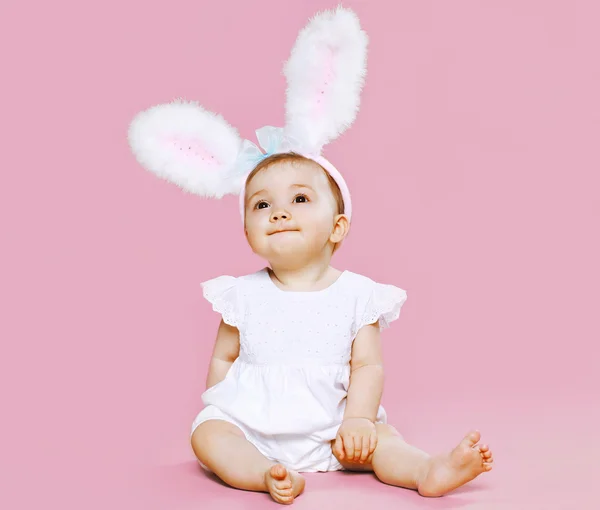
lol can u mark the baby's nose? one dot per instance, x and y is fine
(280, 215)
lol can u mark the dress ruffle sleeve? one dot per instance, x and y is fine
(222, 293)
(384, 305)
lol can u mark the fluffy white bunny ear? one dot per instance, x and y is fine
(325, 75)
(188, 146)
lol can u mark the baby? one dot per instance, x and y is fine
(296, 375)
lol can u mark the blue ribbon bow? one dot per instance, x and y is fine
(272, 140)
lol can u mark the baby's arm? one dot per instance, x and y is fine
(356, 438)
(225, 352)
(366, 377)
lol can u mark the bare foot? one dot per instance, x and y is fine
(447, 472)
(283, 484)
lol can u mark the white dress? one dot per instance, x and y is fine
(287, 389)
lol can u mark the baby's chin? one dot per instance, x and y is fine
(288, 245)
(286, 242)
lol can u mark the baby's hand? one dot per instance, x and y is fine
(356, 440)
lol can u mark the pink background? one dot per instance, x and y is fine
(474, 167)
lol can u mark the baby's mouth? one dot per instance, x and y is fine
(284, 230)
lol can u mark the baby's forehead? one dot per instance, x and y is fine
(289, 173)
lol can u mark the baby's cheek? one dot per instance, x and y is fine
(255, 224)
(324, 229)
(253, 236)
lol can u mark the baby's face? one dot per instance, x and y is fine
(290, 212)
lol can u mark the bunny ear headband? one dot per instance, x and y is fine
(199, 151)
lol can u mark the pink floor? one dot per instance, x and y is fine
(546, 458)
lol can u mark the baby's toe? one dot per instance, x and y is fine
(283, 485)
(487, 466)
(472, 438)
(284, 496)
(278, 472)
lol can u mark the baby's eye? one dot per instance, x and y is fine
(300, 198)
(260, 204)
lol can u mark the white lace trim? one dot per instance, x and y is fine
(221, 293)
(384, 305)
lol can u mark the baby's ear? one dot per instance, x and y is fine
(325, 75)
(341, 227)
(188, 146)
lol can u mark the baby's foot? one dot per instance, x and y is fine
(447, 472)
(283, 484)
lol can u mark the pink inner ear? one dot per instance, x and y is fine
(191, 148)
(323, 86)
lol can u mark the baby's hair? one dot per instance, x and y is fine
(293, 157)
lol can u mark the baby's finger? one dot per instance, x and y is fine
(358, 441)
(349, 447)
(338, 447)
(372, 443)
(366, 444)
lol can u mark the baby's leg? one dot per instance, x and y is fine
(224, 449)
(395, 462)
